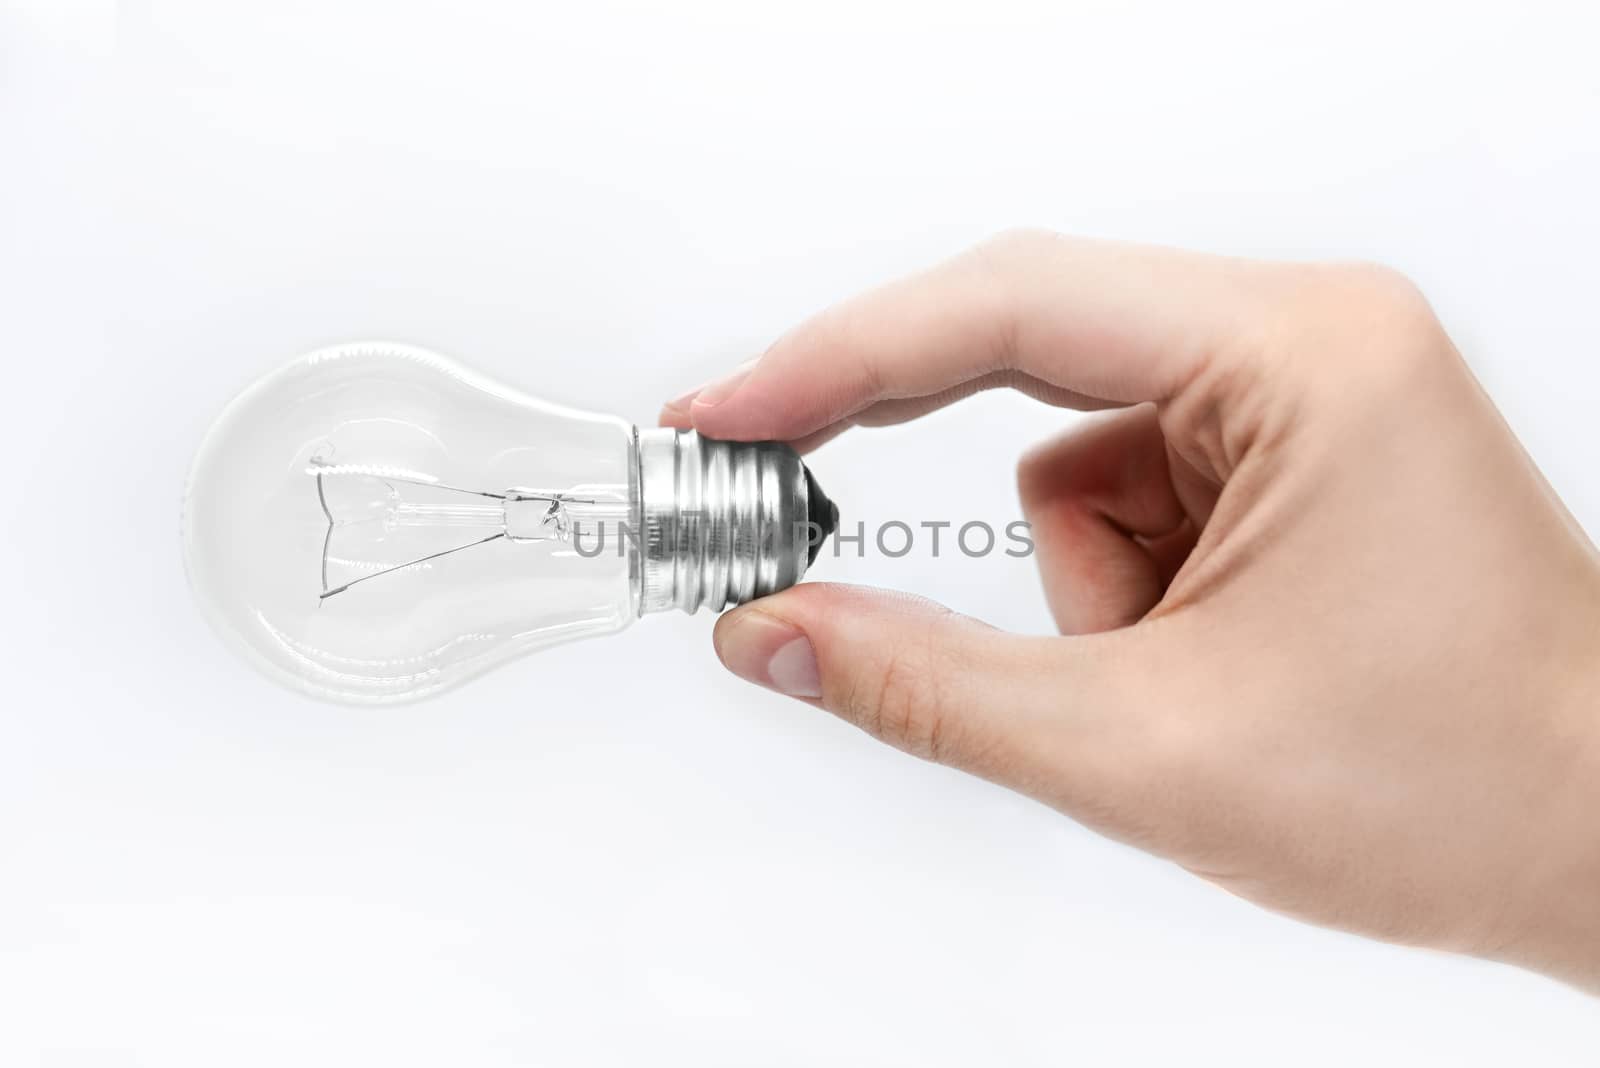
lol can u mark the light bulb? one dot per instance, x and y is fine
(375, 523)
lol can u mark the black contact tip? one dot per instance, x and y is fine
(821, 513)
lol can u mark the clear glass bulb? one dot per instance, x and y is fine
(374, 523)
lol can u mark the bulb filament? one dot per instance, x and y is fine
(548, 517)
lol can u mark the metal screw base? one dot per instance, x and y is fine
(723, 522)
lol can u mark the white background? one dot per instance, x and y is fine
(616, 854)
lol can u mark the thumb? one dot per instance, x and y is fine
(1035, 714)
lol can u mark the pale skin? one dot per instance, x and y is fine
(1329, 640)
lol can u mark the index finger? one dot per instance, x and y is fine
(1086, 324)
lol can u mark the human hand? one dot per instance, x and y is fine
(1331, 642)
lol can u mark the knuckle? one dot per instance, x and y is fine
(1091, 456)
(998, 265)
(1382, 283)
(1368, 297)
(1353, 326)
(899, 703)
(1388, 296)
(1036, 471)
